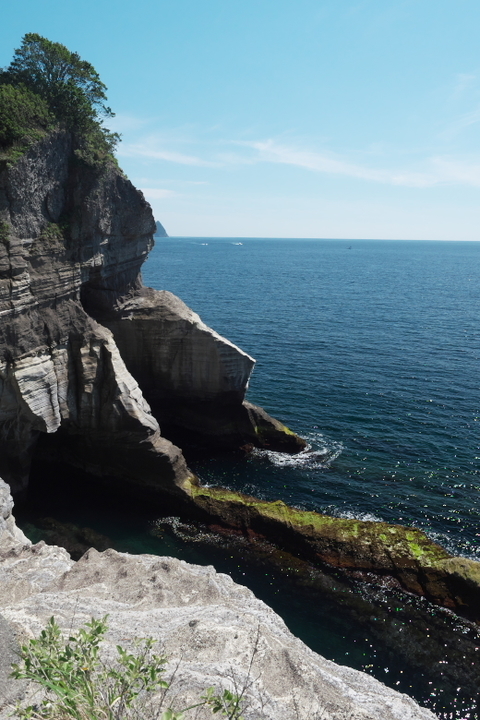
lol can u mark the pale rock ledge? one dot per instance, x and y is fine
(217, 632)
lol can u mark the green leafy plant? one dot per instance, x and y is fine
(53, 231)
(78, 685)
(71, 86)
(5, 230)
(46, 85)
(228, 703)
(24, 116)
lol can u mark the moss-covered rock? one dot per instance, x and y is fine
(377, 549)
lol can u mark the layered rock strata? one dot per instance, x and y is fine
(214, 632)
(194, 379)
(72, 241)
(67, 231)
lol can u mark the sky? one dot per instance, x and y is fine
(286, 118)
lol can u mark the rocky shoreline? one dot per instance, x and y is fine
(99, 372)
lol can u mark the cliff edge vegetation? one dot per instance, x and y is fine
(47, 86)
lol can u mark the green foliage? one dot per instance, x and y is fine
(79, 686)
(52, 231)
(5, 230)
(228, 703)
(49, 83)
(70, 85)
(96, 146)
(24, 116)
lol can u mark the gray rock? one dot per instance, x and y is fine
(75, 243)
(193, 378)
(76, 237)
(172, 354)
(73, 240)
(10, 692)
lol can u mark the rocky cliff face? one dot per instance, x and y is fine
(72, 242)
(214, 632)
(87, 353)
(194, 379)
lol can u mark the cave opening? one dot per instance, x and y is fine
(75, 508)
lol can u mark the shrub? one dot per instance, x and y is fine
(24, 116)
(79, 686)
(5, 230)
(47, 84)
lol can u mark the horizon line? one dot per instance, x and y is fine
(274, 237)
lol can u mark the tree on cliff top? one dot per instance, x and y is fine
(70, 86)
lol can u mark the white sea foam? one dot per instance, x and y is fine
(357, 515)
(318, 454)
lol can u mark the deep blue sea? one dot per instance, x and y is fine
(368, 349)
(371, 351)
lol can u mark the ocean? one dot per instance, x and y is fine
(370, 350)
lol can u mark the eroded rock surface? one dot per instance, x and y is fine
(194, 379)
(380, 551)
(214, 630)
(72, 242)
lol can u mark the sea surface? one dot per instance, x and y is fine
(370, 350)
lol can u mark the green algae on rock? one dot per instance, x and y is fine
(377, 549)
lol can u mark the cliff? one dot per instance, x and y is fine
(91, 361)
(214, 632)
(72, 242)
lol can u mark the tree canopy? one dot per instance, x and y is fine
(69, 86)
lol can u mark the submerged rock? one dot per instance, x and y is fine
(75, 539)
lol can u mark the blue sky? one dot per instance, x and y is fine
(276, 118)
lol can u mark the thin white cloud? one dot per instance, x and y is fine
(270, 151)
(429, 172)
(451, 171)
(438, 170)
(464, 121)
(158, 193)
(126, 123)
(144, 150)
